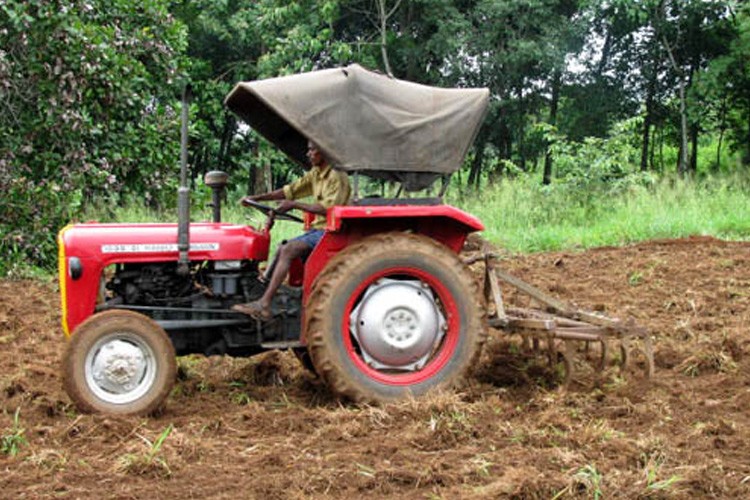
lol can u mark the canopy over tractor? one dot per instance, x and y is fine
(365, 121)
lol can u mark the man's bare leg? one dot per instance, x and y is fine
(261, 308)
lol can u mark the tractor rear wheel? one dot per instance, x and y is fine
(119, 362)
(392, 315)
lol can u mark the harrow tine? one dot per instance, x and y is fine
(493, 287)
(603, 355)
(645, 349)
(624, 353)
(568, 353)
(552, 352)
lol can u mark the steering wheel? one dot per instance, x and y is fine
(270, 210)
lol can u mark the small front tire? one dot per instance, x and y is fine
(119, 363)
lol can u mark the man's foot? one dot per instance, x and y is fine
(255, 310)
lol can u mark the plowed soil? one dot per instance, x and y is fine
(264, 428)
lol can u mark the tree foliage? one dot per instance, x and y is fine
(86, 93)
(88, 89)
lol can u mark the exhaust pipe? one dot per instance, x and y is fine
(183, 192)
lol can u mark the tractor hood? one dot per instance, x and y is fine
(85, 250)
(365, 121)
(108, 243)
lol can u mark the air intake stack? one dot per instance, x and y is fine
(183, 193)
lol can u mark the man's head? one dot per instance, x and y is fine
(315, 155)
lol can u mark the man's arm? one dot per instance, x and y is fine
(315, 208)
(270, 196)
(285, 205)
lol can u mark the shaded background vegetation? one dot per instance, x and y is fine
(592, 96)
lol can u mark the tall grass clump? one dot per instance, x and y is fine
(599, 196)
(524, 216)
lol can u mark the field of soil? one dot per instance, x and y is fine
(264, 428)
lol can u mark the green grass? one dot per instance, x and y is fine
(150, 461)
(524, 217)
(14, 439)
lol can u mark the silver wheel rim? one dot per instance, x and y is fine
(397, 324)
(120, 368)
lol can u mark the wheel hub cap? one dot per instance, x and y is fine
(397, 324)
(120, 368)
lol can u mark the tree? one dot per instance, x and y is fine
(667, 46)
(385, 13)
(522, 63)
(246, 40)
(726, 85)
(86, 89)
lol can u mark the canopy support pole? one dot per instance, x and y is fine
(444, 187)
(355, 198)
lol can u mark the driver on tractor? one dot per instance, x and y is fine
(328, 187)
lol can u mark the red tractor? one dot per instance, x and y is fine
(382, 308)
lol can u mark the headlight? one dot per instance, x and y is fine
(75, 268)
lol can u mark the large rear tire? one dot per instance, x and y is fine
(392, 315)
(120, 363)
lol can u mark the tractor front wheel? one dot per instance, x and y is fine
(119, 362)
(392, 315)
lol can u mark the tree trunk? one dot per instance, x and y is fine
(252, 171)
(682, 163)
(198, 158)
(648, 120)
(661, 151)
(264, 179)
(521, 146)
(694, 149)
(411, 62)
(604, 59)
(556, 77)
(476, 165)
(227, 134)
(480, 146)
(383, 18)
(646, 137)
(694, 126)
(722, 129)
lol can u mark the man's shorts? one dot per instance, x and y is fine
(310, 238)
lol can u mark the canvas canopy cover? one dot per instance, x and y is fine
(365, 121)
